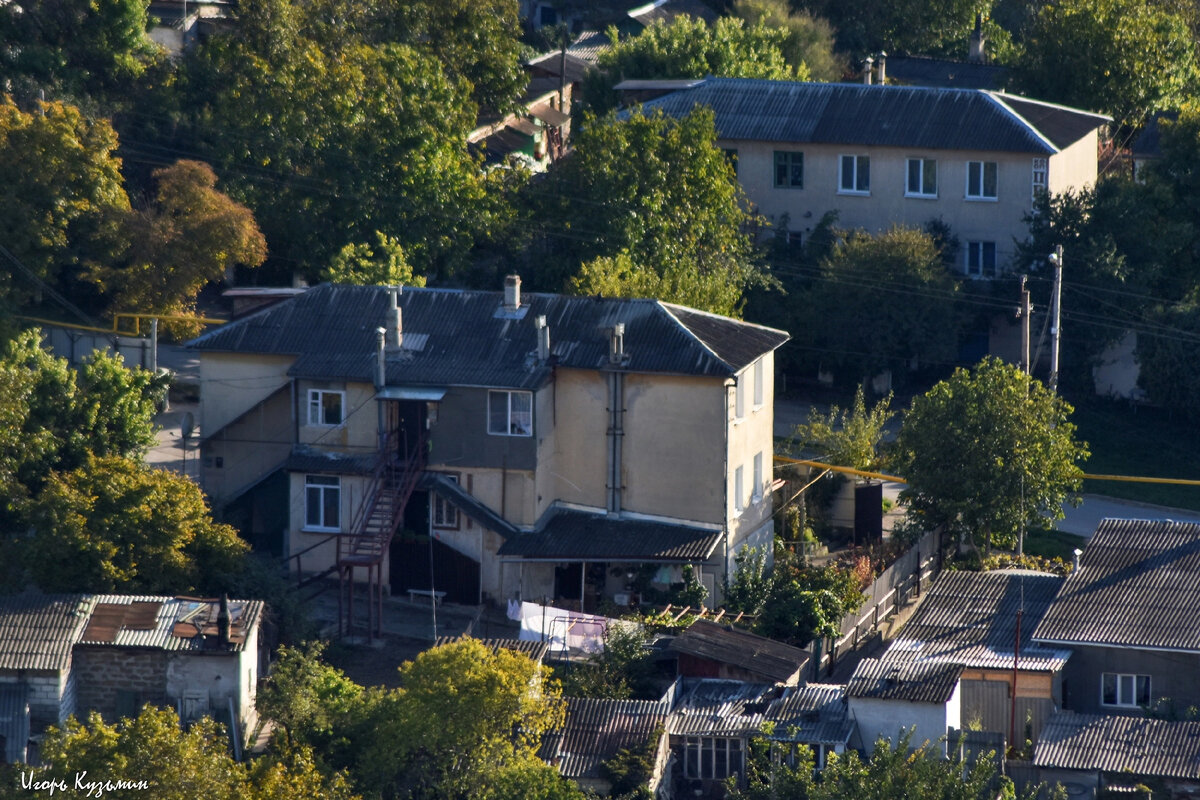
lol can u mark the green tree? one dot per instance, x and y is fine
(74, 46)
(1123, 57)
(809, 41)
(117, 525)
(464, 715)
(188, 236)
(689, 48)
(63, 202)
(988, 451)
(650, 207)
(898, 281)
(309, 701)
(381, 265)
(1166, 357)
(848, 438)
(806, 603)
(623, 669)
(174, 763)
(925, 27)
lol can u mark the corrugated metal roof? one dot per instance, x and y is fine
(575, 535)
(881, 116)
(37, 631)
(1138, 585)
(180, 623)
(667, 11)
(915, 682)
(708, 707)
(467, 503)
(1132, 744)
(535, 650)
(590, 45)
(772, 660)
(305, 459)
(970, 618)
(470, 341)
(596, 729)
(812, 714)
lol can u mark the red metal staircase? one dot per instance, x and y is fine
(376, 521)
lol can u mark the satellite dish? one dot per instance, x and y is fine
(189, 425)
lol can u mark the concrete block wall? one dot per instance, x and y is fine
(45, 696)
(102, 672)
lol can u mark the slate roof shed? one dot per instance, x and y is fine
(1115, 743)
(38, 631)
(769, 660)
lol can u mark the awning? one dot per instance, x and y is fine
(585, 536)
(465, 502)
(549, 115)
(426, 393)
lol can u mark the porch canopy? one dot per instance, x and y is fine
(570, 535)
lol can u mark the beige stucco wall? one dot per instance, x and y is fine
(358, 431)
(232, 383)
(247, 449)
(572, 439)
(752, 434)
(999, 220)
(298, 537)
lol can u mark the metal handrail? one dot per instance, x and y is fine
(411, 470)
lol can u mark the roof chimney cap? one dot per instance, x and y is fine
(868, 65)
(1075, 560)
(394, 326)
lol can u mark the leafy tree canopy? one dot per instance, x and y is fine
(63, 202)
(847, 438)
(988, 451)
(118, 525)
(650, 207)
(176, 763)
(809, 42)
(383, 264)
(920, 27)
(1122, 57)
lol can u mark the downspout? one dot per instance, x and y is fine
(725, 483)
(616, 411)
(380, 380)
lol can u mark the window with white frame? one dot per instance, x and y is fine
(739, 397)
(855, 175)
(981, 180)
(922, 178)
(1040, 180)
(1127, 691)
(758, 383)
(510, 413)
(711, 758)
(322, 502)
(442, 513)
(738, 490)
(981, 259)
(325, 407)
(789, 169)
(757, 488)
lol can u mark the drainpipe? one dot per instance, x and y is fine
(616, 412)
(380, 380)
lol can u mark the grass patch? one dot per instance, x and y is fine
(1144, 442)
(1053, 544)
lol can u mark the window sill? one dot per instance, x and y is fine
(971, 199)
(852, 193)
(779, 186)
(310, 529)
(912, 196)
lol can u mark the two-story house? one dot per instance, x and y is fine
(1129, 614)
(896, 155)
(550, 445)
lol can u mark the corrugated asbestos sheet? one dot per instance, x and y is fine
(970, 618)
(1138, 585)
(1131, 744)
(881, 116)
(575, 535)
(304, 459)
(596, 729)
(535, 650)
(708, 707)
(773, 660)
(812, 714)
(178, 623)
(467, 503)
(37, 631)
(464, 338)
(915, 682)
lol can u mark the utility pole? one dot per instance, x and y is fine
(1055, 320)
(1023, 312)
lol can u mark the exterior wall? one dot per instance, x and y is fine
(890, 718)
(1172, 675)
(233, 383)
(691, 666)
(358, 432)
(998, 221)
(1076, 167)
(987, 700)
(353, 487)
(48, 703)
(572, 441)
(460, 437)
(219, 675)
(748, 436)
(102, 672)
(247, 450)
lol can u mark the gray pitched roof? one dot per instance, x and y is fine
(574, 535)
(970, 618)
(463, 338)
(882, 116)
(37, 631)
(1138, 585)
(915, 682)
(811, 714)
(1133, 744)
(167, 623)
(773, 660)
(596, 729)
(710, 707)
(467, 503)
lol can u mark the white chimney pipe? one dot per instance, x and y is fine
(882, 67)
(512, 292)
(867, 66)
(395, 328)
(543, 338)
(616, 343)
(380, 358)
